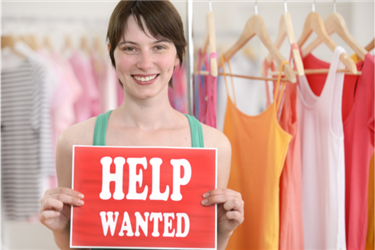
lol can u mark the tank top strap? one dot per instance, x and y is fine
(279, 94)
(225, 78)
(196, 132)
(101, 129)
(267, 66)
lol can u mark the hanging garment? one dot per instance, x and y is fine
(67, 93)
(355, 58)
(250, 94)
(88, 105)
(211, 90)
(259, 147)
(196, 105)
(291, 226)
(105, 82)
(323, 169)
(316, 82)
(201, 101)
(359, 147)
(26, 155)
(370, 225)
(207, 91)
(358, 117)
(177, 94)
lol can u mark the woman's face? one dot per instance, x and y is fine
(144, 64)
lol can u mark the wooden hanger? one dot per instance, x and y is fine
(48, 43)
(286, 30)
(315, 23)
(68, 44)
(31, 41)
(335, 23)
(255, 26)
(209, 44)
(27, 39)
(85, 47)
(99, 46)
(370, 46)
(10, 41)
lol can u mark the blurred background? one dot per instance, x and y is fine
(84, 24)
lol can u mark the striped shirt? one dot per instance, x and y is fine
(26, 155)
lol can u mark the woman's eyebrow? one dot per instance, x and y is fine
(158, 41)
(122, 42)
(162, 40)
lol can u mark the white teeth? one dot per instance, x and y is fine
(145, 79)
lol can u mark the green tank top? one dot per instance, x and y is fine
(102, 121)
(101, 128)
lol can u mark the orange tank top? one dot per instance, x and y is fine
(259, 147)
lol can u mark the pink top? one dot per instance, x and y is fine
(67, 93)
(359, 147)
(89, 104)
(207, 92)
(177, 94)
(102, 72)
(211, 85)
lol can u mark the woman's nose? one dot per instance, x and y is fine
(145, 61)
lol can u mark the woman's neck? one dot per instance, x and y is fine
(150, 114)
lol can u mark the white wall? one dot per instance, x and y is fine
(91, 18)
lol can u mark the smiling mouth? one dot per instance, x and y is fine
(145, 79)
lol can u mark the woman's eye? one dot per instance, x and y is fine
(159, 47)
(129, 49)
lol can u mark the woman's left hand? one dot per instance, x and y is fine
(230, 209)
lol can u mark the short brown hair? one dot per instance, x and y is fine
(161, 19)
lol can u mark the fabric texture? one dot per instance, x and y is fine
(323, 163)
(259, 147)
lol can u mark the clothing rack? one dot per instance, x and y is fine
(190, 54)
(52, 20)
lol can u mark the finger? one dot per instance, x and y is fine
(218, 199)
(234, 204)
(51, 204)
(48, 214)
(61, 190)
(235, 217)
(222, 191)
(68, 199)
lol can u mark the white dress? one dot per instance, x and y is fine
(323, 163)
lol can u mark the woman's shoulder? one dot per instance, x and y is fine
(214, 138)
(79, 134)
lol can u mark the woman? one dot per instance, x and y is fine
(146, 43)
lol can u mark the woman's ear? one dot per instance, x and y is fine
(109, 47)
(176, 61)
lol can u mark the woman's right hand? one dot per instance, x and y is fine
(55, 207)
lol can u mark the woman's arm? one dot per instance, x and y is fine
(230, 203)
(56, 203)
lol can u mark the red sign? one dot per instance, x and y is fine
(143, 197)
